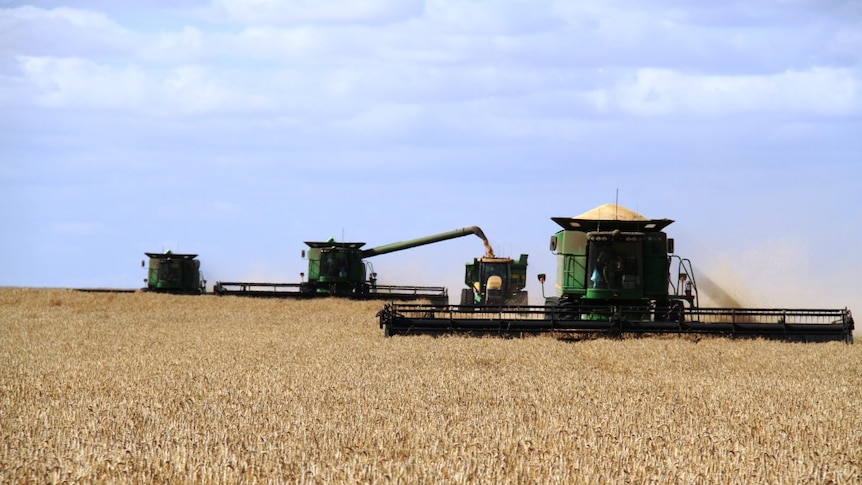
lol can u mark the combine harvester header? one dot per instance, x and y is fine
(613, 276)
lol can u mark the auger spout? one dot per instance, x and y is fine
(412, 243)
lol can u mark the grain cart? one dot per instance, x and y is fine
(617, 273)
(340, 269)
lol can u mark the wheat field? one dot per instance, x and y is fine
(142, 387)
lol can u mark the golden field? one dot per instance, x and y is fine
(141, 387)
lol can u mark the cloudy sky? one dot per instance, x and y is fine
(237, 129)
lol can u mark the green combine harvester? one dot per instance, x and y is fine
(341, 269)
(613, 277)
(170, 272)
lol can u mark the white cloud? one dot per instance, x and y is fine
(81, 83)
(62, 32)
(490, 18)
(184, 90)
(459, 62)
(273, 12)
(660, 92)
(384, 119)
(846, 44)
(14, 17)
(186, 45)
(281, 45)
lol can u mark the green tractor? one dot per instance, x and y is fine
(495, 281)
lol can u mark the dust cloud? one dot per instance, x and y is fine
(716, 295)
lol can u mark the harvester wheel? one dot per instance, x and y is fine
(570, 310)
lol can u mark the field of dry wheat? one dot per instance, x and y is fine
(140, 387)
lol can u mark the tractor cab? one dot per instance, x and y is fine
(495, 281)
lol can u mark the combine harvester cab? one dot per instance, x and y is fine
(613, 277)
(340, 269)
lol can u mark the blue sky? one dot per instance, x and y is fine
(237, 129)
